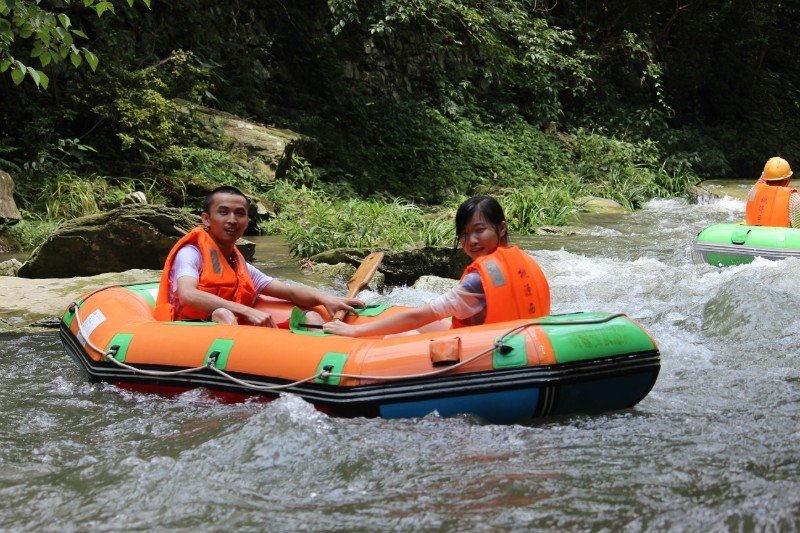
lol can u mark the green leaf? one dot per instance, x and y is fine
(44, 36)
(91, 59)
(102, 7)
(44, 79)
(17, 75)
(76, 59)
(148, 144)
(34, 76)
(45, 58)
(64, 20)
(4, 64)
(79, 33)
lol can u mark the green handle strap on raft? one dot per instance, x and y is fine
(331, 362)
(119, 345)
(297, 324)
(739, 236)
(297, 320)
(512, 353)
(145, 290)
(220, 349)
(69, 315)
(372, 310)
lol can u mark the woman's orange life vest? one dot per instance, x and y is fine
(514, 284)
(768, 205)
(217, 277)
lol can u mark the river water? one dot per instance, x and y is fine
(714, 447)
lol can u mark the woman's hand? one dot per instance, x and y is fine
(337, 327)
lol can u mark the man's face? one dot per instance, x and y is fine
(227, 218)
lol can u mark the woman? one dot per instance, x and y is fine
(502, 283)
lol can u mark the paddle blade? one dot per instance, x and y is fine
(361, 278)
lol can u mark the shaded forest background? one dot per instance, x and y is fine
(422, 99)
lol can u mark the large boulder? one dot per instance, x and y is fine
(405, 267)
(594, 204)
(267, 150)
(8, 209)
(128, 237)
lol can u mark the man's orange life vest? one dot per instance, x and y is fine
(217, 277)
(514, 284)
(768, 205)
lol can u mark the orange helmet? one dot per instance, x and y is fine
(776, 169)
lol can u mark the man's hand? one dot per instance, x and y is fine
(336, 303)
(255, 317)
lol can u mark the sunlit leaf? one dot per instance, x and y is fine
(34, 75)
(91, 59)
(79, 33)
(45, 80)
(102, 7)
(64, 20)
(45, 58)
(76, 59)
(4, 64)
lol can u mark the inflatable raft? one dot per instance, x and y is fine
(737, 244)
(503, 373)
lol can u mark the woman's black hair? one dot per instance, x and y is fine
(490, 208)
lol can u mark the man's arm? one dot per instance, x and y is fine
(191, 296)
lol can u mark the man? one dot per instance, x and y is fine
(771, 202)
(206, 278)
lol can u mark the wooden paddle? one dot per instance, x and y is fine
(366, 271)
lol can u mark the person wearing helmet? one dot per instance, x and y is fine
(771, 202)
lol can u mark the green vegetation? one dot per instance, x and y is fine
(416, 105)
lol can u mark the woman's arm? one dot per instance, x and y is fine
(307, 297)
(407, 320)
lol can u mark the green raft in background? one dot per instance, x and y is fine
(737, 244)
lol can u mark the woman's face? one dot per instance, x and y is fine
(480, 237)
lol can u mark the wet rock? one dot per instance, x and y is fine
(593, 204)
(344, 271)
(10, 267)
(8, 209)
(562, 231)
(135, 198)
(435, 284)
